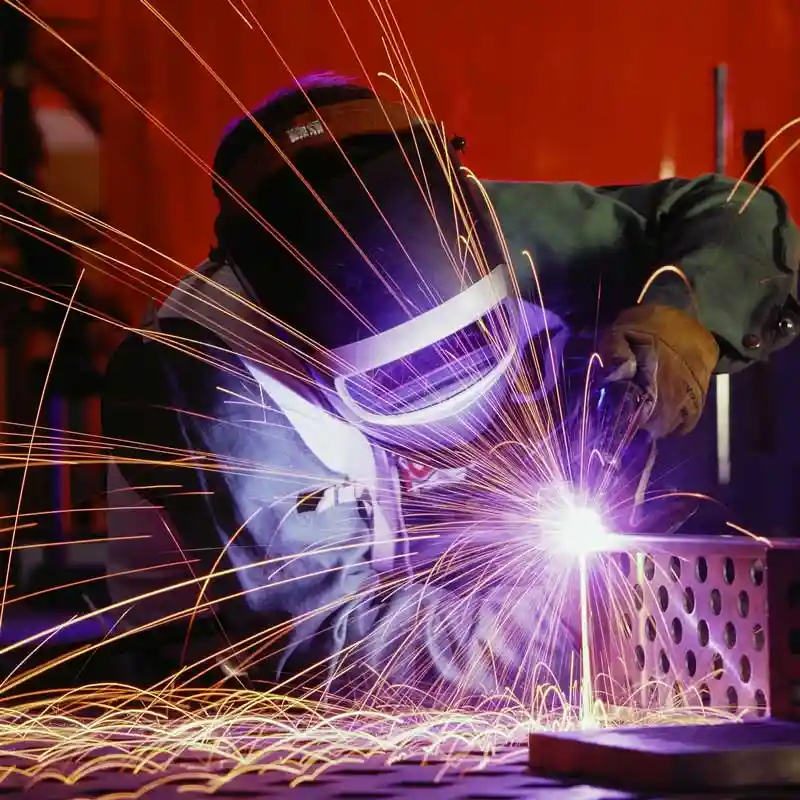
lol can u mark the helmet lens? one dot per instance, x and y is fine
(437, 373)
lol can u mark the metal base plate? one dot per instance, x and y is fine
(503, 776)
(675, 758)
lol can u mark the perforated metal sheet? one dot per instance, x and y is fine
(708, 623)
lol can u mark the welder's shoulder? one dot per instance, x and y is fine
(725, 223)
(563, 224)
(572, 200)
(706, 198)
(562, 204)
(575, 217)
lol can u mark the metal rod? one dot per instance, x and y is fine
(720, 117)
(723, 382)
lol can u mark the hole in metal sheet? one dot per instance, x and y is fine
(793, 595)
(638, 596)
(728, 571)
(745, 669)
(691, 663)
(759, 637)
(729, 635)
(794, 641)
(717, 666)
(743, 604)
(677, 630)
(715, 602)
(652, 690)
(702, 633)
(625, 564)
(638, 652)
(701, 569)
(733, 699)
(626, 625)
(757, 572)
(678, 694)
(663, 597)
(761, 703)
(649, 567)
(663, 662)
(704, 694)
(675, 568)
(688, 599)
(650, 628)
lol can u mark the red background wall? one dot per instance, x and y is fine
(586, 90)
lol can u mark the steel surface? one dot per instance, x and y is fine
(706, 622)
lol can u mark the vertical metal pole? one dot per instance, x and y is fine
(720, 117)
(762, 437)
(723, 382)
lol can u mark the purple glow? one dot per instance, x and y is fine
(572, 527)
(581, 530)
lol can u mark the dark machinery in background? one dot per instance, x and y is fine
(42, 265)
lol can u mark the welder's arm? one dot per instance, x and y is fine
(737, 276)
(737, 250)
(597, 249)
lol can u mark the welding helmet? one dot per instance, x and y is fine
(393, 279)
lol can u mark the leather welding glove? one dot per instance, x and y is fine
(669, 356)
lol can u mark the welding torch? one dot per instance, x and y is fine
(621, 409)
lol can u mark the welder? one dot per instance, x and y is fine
(348, 344)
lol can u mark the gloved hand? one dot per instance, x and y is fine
(669, 356)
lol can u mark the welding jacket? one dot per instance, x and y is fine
(233, 468)
(595, 249)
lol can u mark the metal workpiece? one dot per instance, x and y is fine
(707, 624)
(759, 758)
(684, 632)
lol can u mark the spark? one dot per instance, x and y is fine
(750, 534)
(578, 530)
(98, 729)
(665, 270)
(754, 160)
